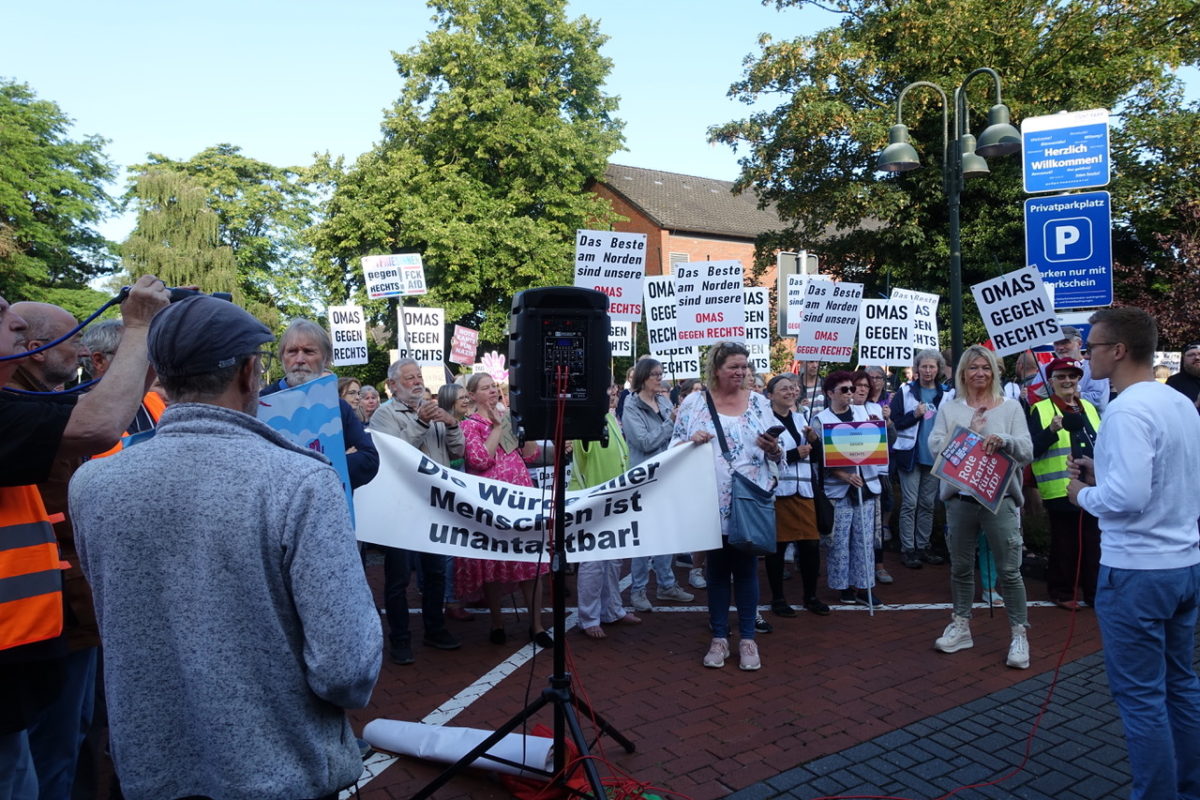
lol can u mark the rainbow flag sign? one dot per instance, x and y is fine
(855, 444)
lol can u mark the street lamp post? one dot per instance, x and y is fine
(962, 158)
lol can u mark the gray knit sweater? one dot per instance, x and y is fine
(236, 621)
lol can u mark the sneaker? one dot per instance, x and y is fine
(781, 608)
(696, 578)
(930, 557)
(718, 651)
(761, 626)
(748, 655)
(867, 597)
(675, 593)
(402, 654)
(1018, 650)
(957, 636)
(815, 606)
(849, 597)
(909, 559)
(639, 602)
(883, 576)
(442, 640)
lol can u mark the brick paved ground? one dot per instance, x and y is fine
(843, 704)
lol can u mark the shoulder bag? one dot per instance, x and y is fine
(752, 508)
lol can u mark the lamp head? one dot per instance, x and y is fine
(973, 165)
(999, 138)
(899, 155)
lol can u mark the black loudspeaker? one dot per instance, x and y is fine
(553, 327)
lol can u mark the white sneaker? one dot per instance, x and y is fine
(718, 651)
(696, 578)
(957, 636)
(1018, 650)
(748, 655)
(639, 602)
(675, 593)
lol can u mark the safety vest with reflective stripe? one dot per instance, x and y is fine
(31, 603)
(1051, 469)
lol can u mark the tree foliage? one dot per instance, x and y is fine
(813, 153)
(500, 125)
(51, 197)
(1169, 289)
(262, 213)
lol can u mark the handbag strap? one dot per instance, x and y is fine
(716, 419)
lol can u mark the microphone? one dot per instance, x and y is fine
(1073, 423)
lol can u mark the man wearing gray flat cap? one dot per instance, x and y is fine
(236, 620)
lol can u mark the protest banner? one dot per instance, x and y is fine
(794, 303)
(710, 306)
(1016, 311)
(964, 464)
(615, 264)
(310, 416)
(678, 362)
(464, 342)
(758, 328)
(855, 444)
(400, 275)
(620, 338)
(422, 334)
(830, 320)
(348, 330)
(885, 333)
(638, 513)
(924, 317)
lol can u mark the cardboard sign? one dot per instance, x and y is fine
(679, 363)
(964, 463)
(924, 318)
(613, 263)
(1016, 311)
(794, 302)
(393, 276)
(855, 444)
(423, 334)
(830, 321)
(710, 304)
(620, 338)
(348, 330)
(463, 344)
(660, 313)
(885, 333)
(758, 328)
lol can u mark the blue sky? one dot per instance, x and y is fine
(284, 80)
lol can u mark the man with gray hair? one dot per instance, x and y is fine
(102, 340)
(223, 565)
(435, 432)
(49, 369)
(306, 354)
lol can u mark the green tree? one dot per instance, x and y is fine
(177, 238)
(262, 212)
(813, 153)
(51, 197)
(500, 125)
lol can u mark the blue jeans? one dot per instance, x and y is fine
(57, 735)
(1148, 623)
(639, 572)
(743, 568)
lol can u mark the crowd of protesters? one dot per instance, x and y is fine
(245, 596)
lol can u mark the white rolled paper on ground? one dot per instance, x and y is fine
(448, 745)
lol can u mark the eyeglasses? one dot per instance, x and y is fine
(656, 374)
(844, 389)
(1094, 345)
(265, 361)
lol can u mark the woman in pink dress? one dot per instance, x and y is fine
(492, 452)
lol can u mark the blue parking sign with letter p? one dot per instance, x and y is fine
(1068, 237)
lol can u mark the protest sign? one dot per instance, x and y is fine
(758, 328)
(885, 333)
(638, 513)
(830, 320)
(678, 362)
(463, 344)
(422, 334)
(924, 317)
(613, 263)
(964, 464)
(310, 416)
(348, 330)
(393, 276)
(794, 303)
(855, 444)
(710, 305)
(620, 338)
(1016, 311)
